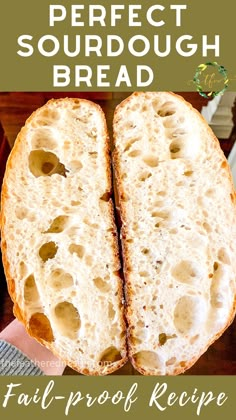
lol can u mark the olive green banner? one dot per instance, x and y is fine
(90, 46)
(118, 397)
(113, 45)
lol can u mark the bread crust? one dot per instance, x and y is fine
(19, 310)
(120, 116)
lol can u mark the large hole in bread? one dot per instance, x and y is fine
(187, 272)
(189, 314)
(175, 148)
(31, 294)
(40, 327)
(144, 176)
(59, 279)
(162, 338)
(48, 251)
(148, 360)
(161, 214)
(167, 109)
(58, 224)
(151, 161)
(42, 163)
(135, 153)
(145, 251)
(188, 173)
(215, 266)
(77, 104)
(130, 143)
(101, 284)
(93, 154)
(77, 249)
(67, 319)
(111, 354)
(166, 113)
(75, 203)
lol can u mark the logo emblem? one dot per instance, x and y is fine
(211, 79)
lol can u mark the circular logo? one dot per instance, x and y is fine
(211, 79)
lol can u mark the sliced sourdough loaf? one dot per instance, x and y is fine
(178, 233)
(59, 239)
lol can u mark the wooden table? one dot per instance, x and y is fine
(220, 358)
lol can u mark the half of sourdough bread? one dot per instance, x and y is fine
(59, 239)
(178, 235)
